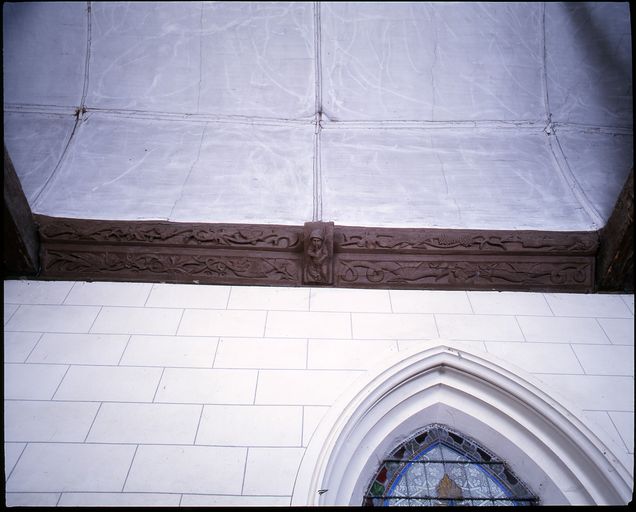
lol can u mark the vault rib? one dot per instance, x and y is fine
(80, 110)
(317, 171)
(566, 173)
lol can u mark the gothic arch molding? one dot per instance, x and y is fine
(541, 438)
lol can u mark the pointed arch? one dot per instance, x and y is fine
(542, 439)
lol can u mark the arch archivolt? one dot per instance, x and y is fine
(509, 412)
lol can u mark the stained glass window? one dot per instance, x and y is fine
(437, 466)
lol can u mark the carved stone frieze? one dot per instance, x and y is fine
(175, 266)
(171, 233)
(318, 253)
(477, 274)
(349, 239)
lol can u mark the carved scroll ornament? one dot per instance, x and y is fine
(424, 240)
(191, 266)
(169, 233)
(316, 254)
(464, 273)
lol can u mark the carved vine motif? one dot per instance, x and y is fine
(467, 241)
(278, 269)
(272, 254)
(226, 236)
(395, 272)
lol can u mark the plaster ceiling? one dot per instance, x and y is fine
(451, 115)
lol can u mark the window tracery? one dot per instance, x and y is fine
(437, 466)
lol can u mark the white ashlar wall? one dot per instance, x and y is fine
(156, 394)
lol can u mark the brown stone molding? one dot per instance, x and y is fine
(340, 256)
(615, 259)
(20, 236)
(494, 273)
(318, 253)
(463, 241)
(183, 265)
(234, 236)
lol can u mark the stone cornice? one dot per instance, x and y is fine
(159, 251)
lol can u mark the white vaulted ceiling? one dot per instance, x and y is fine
(452, 115)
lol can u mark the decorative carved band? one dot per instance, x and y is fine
(236, 236)
(350, 239)
(575, 274)
(317, 254)
(173, 266)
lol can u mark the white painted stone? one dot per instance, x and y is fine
(270, 298)
(271, 471)
(418, 67)
(582, 67)
(292, 324)
(270, 165)
(32, 381)
(348, 354)
(59, 467)
(620, 331)
(629, 300)
(561, 329)
(302, 387)
(35, 142)
(604, 360)
(411, 344)
(125, 320)
(168, 295)
(478, 327)
(593, 392)
(12, 452)
(209, 500)
(508, 303)
(312, 415)
(198, 386)
(261, 353)
(32, 499)
(335, 299)
(214, 102)
(600, 305)
(186, 351)
(109, 294)
(186, 469)
(36, 292)
(538, 357)
(47, 421)
(202, 322)
(109, 383)
(124, 156)
(49, 70)
(18, 345)
(79, 348)
(600, 162)
(624, 422)
(459, 178)
(145, 423)
(9, 309)
(386, 326)
(430, 301)
(250, 425)
(119, 499)
(53, 318)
